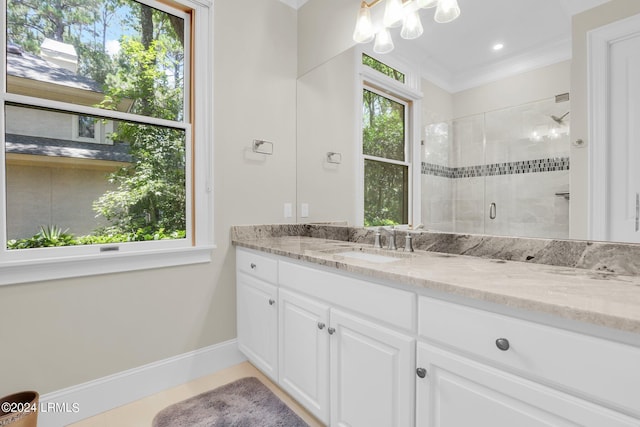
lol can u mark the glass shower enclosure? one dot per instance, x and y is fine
(504, 172)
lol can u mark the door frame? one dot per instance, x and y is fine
(599, 42)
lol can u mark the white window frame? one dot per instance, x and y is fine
(20, 266)
(409, 94)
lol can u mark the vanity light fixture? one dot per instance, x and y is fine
(498, 46)
(396, 13)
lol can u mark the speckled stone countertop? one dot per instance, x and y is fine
(588, 295)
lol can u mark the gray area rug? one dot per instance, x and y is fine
(243, 403)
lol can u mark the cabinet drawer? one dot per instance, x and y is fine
(604, 370)
(383, 303)
(257, 265)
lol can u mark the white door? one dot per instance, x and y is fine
(258, 323)
(372, 382)
(457, 392)
(614, 131)
(304, 352)
(624, 127)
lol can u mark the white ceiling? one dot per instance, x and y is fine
(459, 55)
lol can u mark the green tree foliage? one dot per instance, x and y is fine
(149, 199)
(383, 68)
(151, 190)
(94, 60)
(386, 184)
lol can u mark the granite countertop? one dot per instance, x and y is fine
(596, 297)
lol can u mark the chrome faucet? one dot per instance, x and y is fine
(392, 237)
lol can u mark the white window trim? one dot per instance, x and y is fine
(94, 259)
(408, 92)
(101, 131)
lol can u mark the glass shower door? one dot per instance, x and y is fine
(468, 175)
(526, 182)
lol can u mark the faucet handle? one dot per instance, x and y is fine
(408, 243)
(376, 240)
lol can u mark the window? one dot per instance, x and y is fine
(99, 154)
(92, 130)
(383, 68)
(390, 177)
(86, 127)
(386, 165)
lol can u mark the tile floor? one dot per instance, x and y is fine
(141, 412)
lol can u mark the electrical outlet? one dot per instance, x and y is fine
(288, 210)
(304, 210)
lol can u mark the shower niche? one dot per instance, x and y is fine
(503, 172)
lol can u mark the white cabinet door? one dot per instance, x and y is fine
(457, 391)
(372, 370)
(258, 323)
(304, 352)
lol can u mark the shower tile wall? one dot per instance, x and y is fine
(437, 184)
(517, 158)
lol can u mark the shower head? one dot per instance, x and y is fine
(559, 120)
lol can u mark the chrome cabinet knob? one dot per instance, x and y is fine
(253, 266)
(331, 331)
(421, 372)
(321, 325)
(271, 301)
(503, 344)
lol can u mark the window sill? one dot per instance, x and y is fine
(12, 273)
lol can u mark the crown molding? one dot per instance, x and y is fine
(295, 4)
(539, 57)
(527, 61)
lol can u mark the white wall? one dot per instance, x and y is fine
(523, 88)
(583, 23)
(325, 29)
(61, 333)
(327, 123)
(32, 122)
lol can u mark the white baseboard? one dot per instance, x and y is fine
(76, 403)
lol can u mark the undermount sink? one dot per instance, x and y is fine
(379, 256)
(365, 256)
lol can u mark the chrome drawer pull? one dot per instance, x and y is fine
(253, 266)
(502, 344)
(271, 301)
(331, 331)
(321, 325)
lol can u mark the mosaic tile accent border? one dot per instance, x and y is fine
(552, 164)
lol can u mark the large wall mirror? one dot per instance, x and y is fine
(503, 132)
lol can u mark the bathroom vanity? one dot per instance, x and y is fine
(366, 337)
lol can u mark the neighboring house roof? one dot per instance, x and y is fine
(39, 146)
(38, 74)
(26, 65)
